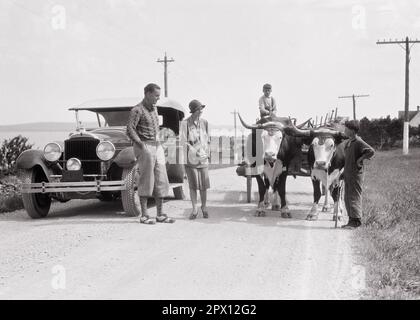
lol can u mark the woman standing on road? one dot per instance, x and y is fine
(195, 140)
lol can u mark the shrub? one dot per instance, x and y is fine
(9, 153)
(10, 202)
(10, 196)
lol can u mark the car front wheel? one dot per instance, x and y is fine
(130, 197)
(37, 205)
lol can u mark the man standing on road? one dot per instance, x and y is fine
(356, 151)
(143, 130)
(266, 103)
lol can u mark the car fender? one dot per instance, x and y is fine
(31, 158)
(126, 158)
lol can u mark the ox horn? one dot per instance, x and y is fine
(325, 131)
(295, 131)
(272, 124)
(255, 126)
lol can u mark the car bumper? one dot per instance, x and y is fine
(87, 186)
(90, 186)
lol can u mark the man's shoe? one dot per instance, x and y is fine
(352, 224)
(348, 226)
(163, 218)
(147, 220)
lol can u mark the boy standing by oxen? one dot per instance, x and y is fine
(356, 151)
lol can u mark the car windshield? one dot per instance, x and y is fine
(114, 118)
(92, 119)
(99, 119)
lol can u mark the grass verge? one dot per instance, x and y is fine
(389, 241)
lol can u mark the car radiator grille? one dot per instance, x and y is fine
(85, 151)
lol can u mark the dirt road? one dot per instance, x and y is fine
(90, 250)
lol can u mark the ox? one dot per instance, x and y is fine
(269, 152)
(326, 157)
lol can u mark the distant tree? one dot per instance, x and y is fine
(382, 133)
(364, 128)
(395, 130)
(415, 131)
(370, 131)
(415, 136)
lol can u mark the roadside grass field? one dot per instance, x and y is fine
(389, 241)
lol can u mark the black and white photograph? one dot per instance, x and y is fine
(228, 152)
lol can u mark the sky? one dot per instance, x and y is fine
(55, 54)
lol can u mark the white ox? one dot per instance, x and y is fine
(326, 155)
(268, 139)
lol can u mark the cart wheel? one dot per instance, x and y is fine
(179, 193)
(340, 202)
(248, 188)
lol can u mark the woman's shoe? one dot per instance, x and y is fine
(193, 214)
(205, 213)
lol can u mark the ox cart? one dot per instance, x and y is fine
(277, 148)
(299, 166)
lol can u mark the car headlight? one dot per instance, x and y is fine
(105, 150)
(52, 151)
(73, 164)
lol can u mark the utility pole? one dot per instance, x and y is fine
(165, 62)
(407, 48)
(234, 144)
(354, 101)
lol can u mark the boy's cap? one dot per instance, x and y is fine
(353, 125)
(267, 86)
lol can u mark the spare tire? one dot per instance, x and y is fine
(130, 197)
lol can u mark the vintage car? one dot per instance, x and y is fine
(97, 161)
